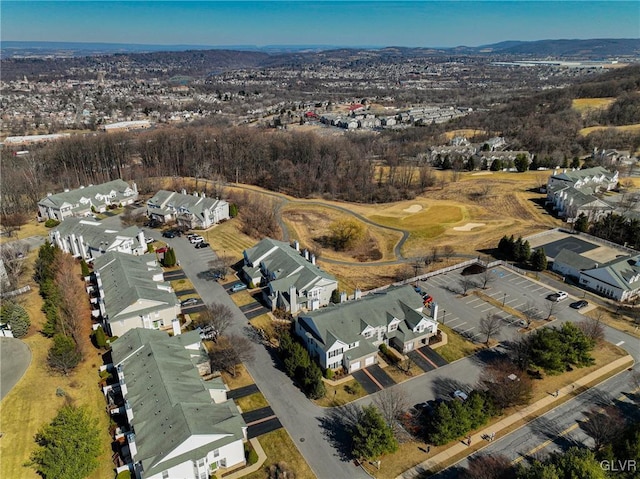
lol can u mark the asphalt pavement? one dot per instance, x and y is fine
(15, 357)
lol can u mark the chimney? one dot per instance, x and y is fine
(175, 324)
(141, 239)
(195, 193)
(357, 294)
(343, 296)
(293, 299)
(203, 194)
(49, 194)
(82, 187)
(305, 252)
(296, 245)
(66, 190)
(183, 191)
(134, 186)
(313, 258)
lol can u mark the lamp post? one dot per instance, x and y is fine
(444, 313)
(504, 298)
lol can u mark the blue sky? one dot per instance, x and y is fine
(344, 23)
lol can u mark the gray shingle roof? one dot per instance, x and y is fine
(288, 265)
(127, 279)
(170, 402)
(94, 232)
(73, 197)
(168, 201)
(574, 260)
(573, 176)
(623, 273)
(346, 321)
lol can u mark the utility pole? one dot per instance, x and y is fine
(237, 175)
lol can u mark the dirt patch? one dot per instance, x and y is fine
(413, 209)
(468, 226)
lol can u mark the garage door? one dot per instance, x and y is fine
(355, 366)
(369, 361)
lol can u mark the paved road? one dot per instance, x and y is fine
(15, 357)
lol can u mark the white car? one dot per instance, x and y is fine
(558, 296)
(196, 239)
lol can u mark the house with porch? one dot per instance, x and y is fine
(178, 425)
(86, 199)
(130, 292)
(347, 335)
(293, 280)
(189, 211)
(88, 239)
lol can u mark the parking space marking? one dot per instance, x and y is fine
(473, 300)
(518, 306)
(496, 294)
(480, 305)
(457, 325)
(467, 330)
(525, 280)
(512, 301)
(620, 343)
(488, 309)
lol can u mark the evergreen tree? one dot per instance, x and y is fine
(233, 210)
(69, 447)
(371, 435)
(581, 224)
(534, 165)
(85, 269)
(312, 381)
(575, 162)
(521, 163)
(539, 260)
(496, 165)
(17, 317)
(63, 354)
(101, 337)
(441, 427)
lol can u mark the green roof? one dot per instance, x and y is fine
(346, 321)
(170, 401)
(288, 266)
(127, 280)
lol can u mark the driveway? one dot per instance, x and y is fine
(15, 357)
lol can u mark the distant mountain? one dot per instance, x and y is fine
(585, 49)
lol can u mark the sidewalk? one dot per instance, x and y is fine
(478, 440)
(254, 467)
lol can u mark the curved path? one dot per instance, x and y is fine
(15, 358)
(397, 250)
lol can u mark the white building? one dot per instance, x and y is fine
(191, 211)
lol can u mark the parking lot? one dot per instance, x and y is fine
(463, 313)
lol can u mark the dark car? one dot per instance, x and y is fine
(202, 245)
(169, 234)
(583, 303)
(188, 302)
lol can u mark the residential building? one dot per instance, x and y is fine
(618, 279)
(85, 200)
(130, 292)
(121, 126)
(293, 279)
(190, 211)
(88, 239)
(347, 335)
(573, 192)
(179, 425)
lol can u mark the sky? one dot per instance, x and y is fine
(339, 23)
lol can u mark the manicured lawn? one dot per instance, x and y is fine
(457, 347)
(227, 240)
(279, 447)
(340, 394)
(181, 285)
(252, 402)
(242, 378)
(630, 128)
(242, 298)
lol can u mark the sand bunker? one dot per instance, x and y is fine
(480, 173)
(413, 209)
(468, 226)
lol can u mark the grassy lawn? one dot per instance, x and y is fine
(252, 402)
(617, 321)
(279, 447)
(586, 105)
(227, 240)
(363, 276)
(630, 128)
(457, 347)
(181, 285)
(242, 298)
(340, 394)
(399, 376)
(32, 228)
(241, 379)
(33, 402)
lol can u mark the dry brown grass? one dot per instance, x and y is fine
(341, 394)
(629, 128)
(587, 105)
(279, 447)
(251, 402)
(241, 379)
(32, 228)
(457, 347)
(226, 239)
(364, 277)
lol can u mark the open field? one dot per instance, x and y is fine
(32, 228)
(310, 225)
(33, 402)
(364, 276)
(586, 105)
(629, 128)
(466, 132)
(227, 240)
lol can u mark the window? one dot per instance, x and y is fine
(393, 327)
(353, 345)
(368, 334)
(334, 353)
(216, 452)
(335, 365)
(165, 474)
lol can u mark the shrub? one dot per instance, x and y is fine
(51, 223)
(353, 388)
(85, 268)
(124, 475)
(328, 374)
(252, 457)
(17, 317)
(101, 338)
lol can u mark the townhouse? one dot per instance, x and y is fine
(189, 211)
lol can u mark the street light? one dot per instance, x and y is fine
(504, 299)
(444, 313)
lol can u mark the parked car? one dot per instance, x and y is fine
(426, 299)
(418, 289)
(149, 240)
(202, 244)
(238, 287)
(188, 302)
(557, 296)
(583, 303)
(461, 395)
(168, 234)
(196, 239)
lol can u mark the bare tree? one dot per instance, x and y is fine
(12, 256)
(221, 265)
(506, 383)
(593, 328)
(466, 284)
(228, 352)
(552, 306)
(216, 319)
(490, 325)
(531, 313)
(448, 251)
(494, 466)
(435, 254)
(13, 222)
(129, 218)
(392, 402)
(487, 277)
(603, 425)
